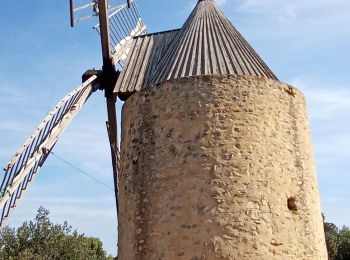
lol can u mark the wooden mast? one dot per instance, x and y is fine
(108, 80)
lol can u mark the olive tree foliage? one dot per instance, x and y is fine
(344, 244)
(338, 242)
(331, 232)
(43, 240)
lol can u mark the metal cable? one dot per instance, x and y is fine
(82, 172)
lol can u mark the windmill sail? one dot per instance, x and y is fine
(118, 27)
(26, 163)
(124, 23)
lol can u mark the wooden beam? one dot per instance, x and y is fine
(54, 129)
(114, 144)
(71, 6)
(104, 31)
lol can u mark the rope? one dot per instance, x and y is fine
(82, 172)
(53, 92)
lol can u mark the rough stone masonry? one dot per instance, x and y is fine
(218, 167)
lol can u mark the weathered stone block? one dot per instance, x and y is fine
(218, 167)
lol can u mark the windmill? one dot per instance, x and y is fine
(216, 157)
(117, 26)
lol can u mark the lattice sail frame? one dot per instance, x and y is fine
(124, 23)
(28, 160)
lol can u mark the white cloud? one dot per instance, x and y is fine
(306, 20)
(329, 106)
(221, 2)
(325, 102)
(273, 6)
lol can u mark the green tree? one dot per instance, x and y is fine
(331, 232)
(338, 241)
(344, 244)
(42, 240)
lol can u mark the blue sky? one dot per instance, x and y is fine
(306, 44)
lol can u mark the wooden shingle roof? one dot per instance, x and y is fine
(207, 44)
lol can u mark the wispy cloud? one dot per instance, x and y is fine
(325, 102)
(221, 2)
(328, 107)
(306, 20)
(272, 6)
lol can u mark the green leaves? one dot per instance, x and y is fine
(344, 244)
(338, 242)
(43, 240)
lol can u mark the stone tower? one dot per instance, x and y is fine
(216, 156)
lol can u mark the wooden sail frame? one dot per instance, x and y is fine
(28, 160)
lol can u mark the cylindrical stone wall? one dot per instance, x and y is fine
(218, 167)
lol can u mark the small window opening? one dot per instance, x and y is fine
(292, 205)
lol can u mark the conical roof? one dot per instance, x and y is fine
(207, 44)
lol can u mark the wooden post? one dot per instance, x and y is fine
(71, 6)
